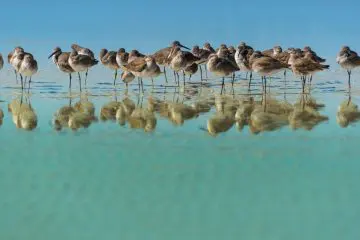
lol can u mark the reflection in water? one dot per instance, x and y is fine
(1, 116)
(23, 114)
(347, 113)
(81, 115)
(306, 114)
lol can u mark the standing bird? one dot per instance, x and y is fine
(203, 55)
(135, 54)
(316, 58)
(108, 59)
(84, 51)
(144, 67)
(61, 59)
(179, 60)
(161, 56)
(28, 67)
(81, 63)
(348, 60)
(127, 77)
(15, 57)
(265, 66)
(122, 57)
(221, 67)
(224, 52)
(242, 59)
(304, 66)
(191, 70)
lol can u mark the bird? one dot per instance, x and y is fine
(316, 58)
(81, 63)
(83, 51)
(348, 60)
(304, 66)
(207, 46)
(224, 52)
(242, 56)
(108, 59)
(61, 59)
(144, 67)
(191, 69)
(265, 66)
(127, 77)
(161, 56)
(11, 57)
(221, 67)
(28, 67)
(134, 54)
(179, 60)
(122, 57)
(203, 54)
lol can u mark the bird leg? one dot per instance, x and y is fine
(21, 78)
(303, 83)
(165, 75)
(223, 84)
(265, 85)
(201, 76)
(29, 82)
(115, 77)
(70, 80)
(142, 85)
(139, 83)
(79, 80)
(152, 82)
(206, 72)
(349, 79)
(284, 73)
(184, 77)
(190, 77)
(16, 76)
(86, 74)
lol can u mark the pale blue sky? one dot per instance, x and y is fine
(39, 26)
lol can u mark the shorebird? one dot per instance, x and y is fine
(224, 52)
(265, 66)
(207, 46)
(28, 67)
(161, 56)
(81, 63)
(83, 51)
(315, 57)
(122, 57)
(1, 61)
(221, 67)
(144, 67)
(127, 77)
(203, 54)
(15, 58)
(61, 59)
(108, 59)
(134, 54)
(304, 66)
(348, 60)
(242, 59)
(179, 60)
(191, 70)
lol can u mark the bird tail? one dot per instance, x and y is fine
(325, 66)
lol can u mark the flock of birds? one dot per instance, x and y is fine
(222, 62)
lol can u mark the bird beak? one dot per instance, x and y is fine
(53, 54)
(184, 47)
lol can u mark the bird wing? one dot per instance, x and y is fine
(162, 55)
(268, 52)
(137, 65)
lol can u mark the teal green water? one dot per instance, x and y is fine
(178, 182)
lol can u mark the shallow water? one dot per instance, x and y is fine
(178, 178)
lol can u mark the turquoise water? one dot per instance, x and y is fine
(178, 181)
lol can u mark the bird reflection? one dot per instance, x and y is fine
(1, 116)
(81, 115)
(23, 114)
(269, 116)
(306, 115)
(347, 113)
